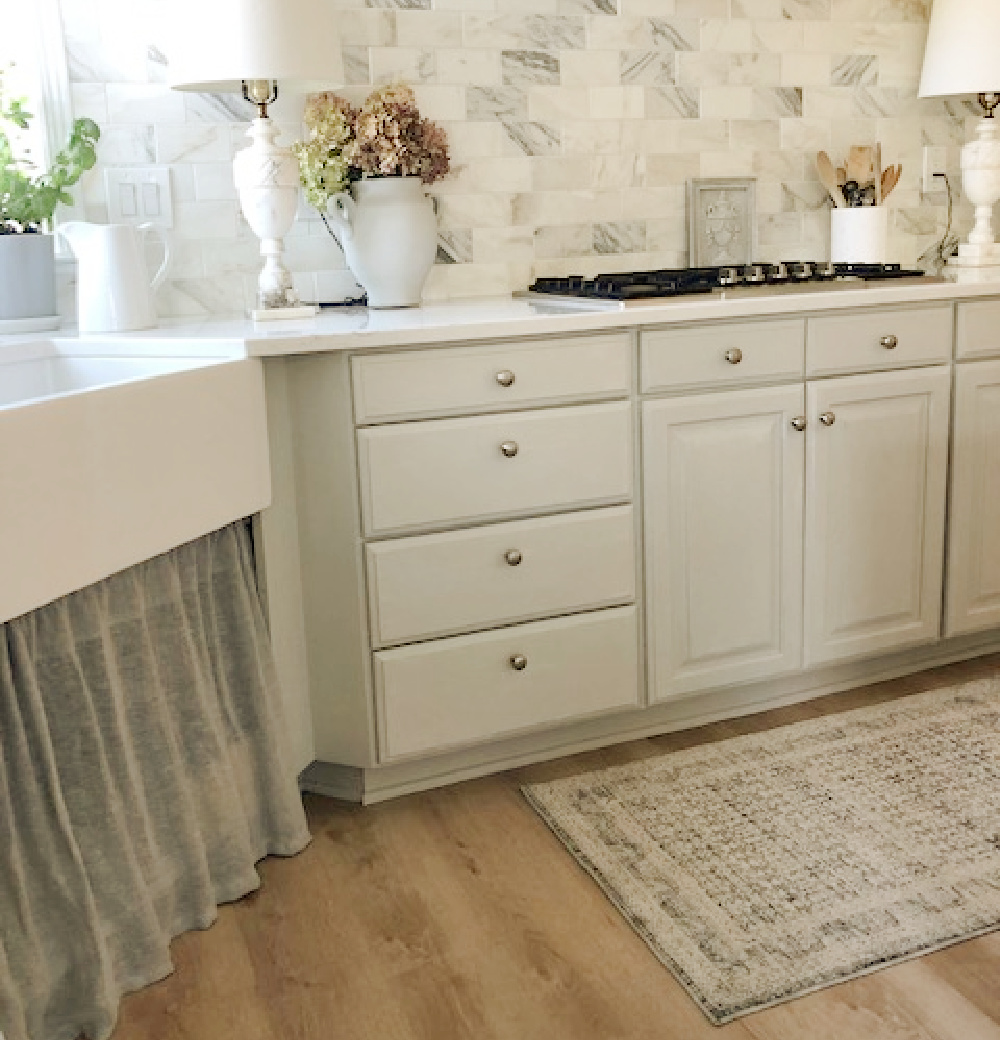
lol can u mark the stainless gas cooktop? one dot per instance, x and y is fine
(638, 287)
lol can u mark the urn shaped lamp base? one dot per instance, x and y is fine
(981, 181)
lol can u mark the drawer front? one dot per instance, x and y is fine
(452, 380)
(450, 471)
(439, 584)
(465, 690)
(888, 338)
(977, 329)
(719, 355)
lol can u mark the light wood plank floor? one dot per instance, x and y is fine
(456, 915)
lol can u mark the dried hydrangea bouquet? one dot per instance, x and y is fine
(365, 171)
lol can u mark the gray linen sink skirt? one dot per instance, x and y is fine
(141, 778)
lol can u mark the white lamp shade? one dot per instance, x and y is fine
(219, 43)
(962, 55)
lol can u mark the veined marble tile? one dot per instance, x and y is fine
(880, 102)
(526, 7)
(619, 236)
(780, 165)
(527, 32)
(568, 241)
(216, 108)
(555, 104)
(652, 136)
(702, 8)
(627, 102)
(779, 229)
(589, 68)
(631, 33)
(475, 209)
(802, 196)
(395, 64)
(781, 37)
(428, 29)
(698, 135)
(213, 182)
(756, 70)
(597, 7)
(806, 70)
(357, 65)
(811, 10)
(496, 102)
(367, 28)
(702, 69)
(849, 70)
(731, 102)
(505, 245)
(506, 174)
(127, 145)
(518, 68)
(669, 235)
(202, 220)
(562, 173)
(440, 102)
(454, 246)
(459, 280)
(672, 169)
(144, 103)
(468, 140)
(402, 5)
(722, 34)
(527, 138)
(805, 135)
(469, 67)
(566, 207)
(658, 8)
(90, 101)
(828, 103)
(650, 67)
(465, 5)
(728, 163)
(608, 172)
(782, 102)
(653, 203)
(757, 135)
(591, 137)
(880, 10)
(92, 62)
(672, 103)
(758, 9)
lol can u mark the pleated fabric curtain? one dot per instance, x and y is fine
(142, 776)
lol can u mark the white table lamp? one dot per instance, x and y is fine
(255, 47)
(962, 57)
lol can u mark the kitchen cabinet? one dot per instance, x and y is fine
(723, 481)
(973, 595)
(877, 461)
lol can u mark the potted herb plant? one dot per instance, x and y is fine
(28, 199)
(385, 154)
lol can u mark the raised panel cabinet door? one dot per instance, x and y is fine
(724, 480)
(973, 595)
(876, 474)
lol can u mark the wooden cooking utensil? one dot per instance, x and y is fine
(841, 175)
(858, 164)
(890, 178)
(828, 177)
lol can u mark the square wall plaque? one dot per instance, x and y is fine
(722, 222)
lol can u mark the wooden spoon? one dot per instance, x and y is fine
(828, 177)
(890, 178)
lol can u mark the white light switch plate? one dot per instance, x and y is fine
(139, 195)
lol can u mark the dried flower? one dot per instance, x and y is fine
(323, 164)
(392, 140)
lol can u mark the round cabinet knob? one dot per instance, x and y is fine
(518, 662)
(734, 356)
(827, 418)
(508, 449)
(513, 557)
(506, 377)
(799, 423)
(890, 342)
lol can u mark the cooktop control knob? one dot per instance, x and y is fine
(779, 273)
(754, 274)
(729, 276)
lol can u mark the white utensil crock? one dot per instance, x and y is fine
(859, 235)
(388, 232)
(114, 290)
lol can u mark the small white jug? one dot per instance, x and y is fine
(114, 290)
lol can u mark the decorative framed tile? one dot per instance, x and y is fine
(721, 221)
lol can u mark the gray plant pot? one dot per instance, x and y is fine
(27, 276)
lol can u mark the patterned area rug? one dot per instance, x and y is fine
(764, 867)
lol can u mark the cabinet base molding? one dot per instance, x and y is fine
(380, 783)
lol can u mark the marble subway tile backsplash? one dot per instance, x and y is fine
(574, 127)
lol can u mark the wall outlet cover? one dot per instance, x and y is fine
(139, 195)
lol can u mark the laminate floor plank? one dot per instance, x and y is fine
(456, 914)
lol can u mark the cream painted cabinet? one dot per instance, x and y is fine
(723, 480)
(876, 473)
(973, 599)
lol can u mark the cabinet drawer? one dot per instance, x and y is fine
(452, 380)
(437, 584)
(977, 329)
(717, 355)
(887, 338)
(466, 689)
(450, 471)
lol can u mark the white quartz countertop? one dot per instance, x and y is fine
(358, 328)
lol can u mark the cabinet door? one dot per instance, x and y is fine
(875, 508)
(973, 601)
(723, 507)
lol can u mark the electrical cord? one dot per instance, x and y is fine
(948, 245)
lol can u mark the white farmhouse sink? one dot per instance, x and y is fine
(108, 461)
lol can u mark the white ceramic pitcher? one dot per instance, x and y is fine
(114, 290)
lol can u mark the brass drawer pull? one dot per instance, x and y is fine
(518, 662)
(734, 356)
(513, 557)
(827, 418)
(799, 423)
(890, 342)
(508, 449)
(505, 377)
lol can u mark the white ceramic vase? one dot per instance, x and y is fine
(388, 232)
